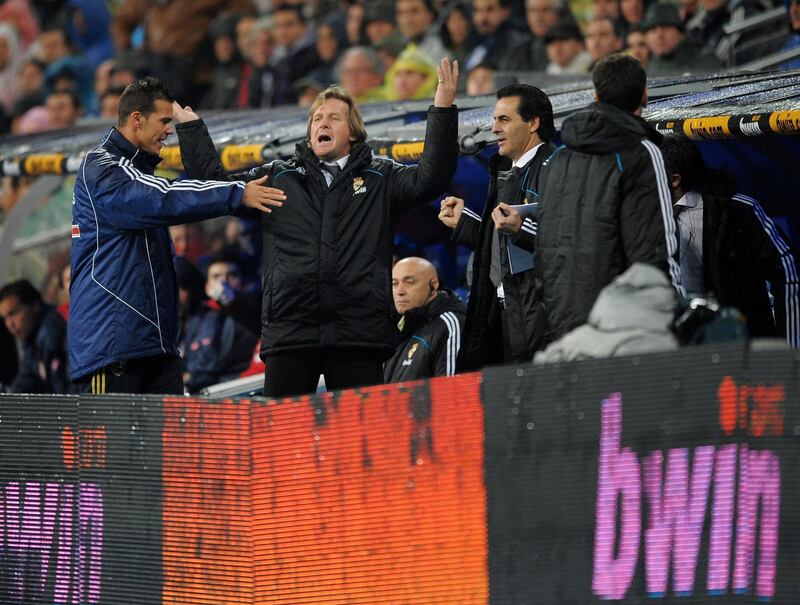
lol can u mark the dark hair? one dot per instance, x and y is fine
(189, 277)
(289, 8)
(24, 291)
(141, 96)
(620, 80)
(533, 103)
(616, 25)
(73, 96)
(683, 158)
(59, 29)
(227, 256)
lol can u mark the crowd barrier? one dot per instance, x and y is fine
(670, 478)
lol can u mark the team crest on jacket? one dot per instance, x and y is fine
(358, 185)
(410, 353)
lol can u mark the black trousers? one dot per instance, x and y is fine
(160, 374)
(298, 372)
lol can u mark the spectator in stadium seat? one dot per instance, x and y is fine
(411, 76)
(10, 59)
(636, 46)
(565, 50)
(605, 8)
(495, 30)
(174, 33)
(730, 248)
(480, 80)
(379, 20)
(328, 250)
(602, 38)
(224, 286)
(41, 336)
(415, 20)
(330, 40)
(360, 71)
(430, 323)
(354, 24)
(64, 108)
(262, 77)
(457, 34)
(294, 54)
(53, 45)
(707, 28)
(593, 228)
(631, 13)
(531, 55)
(123, 325)
(228, 63)
(109, 103)
(793, 8)
(215, 347)
(502, 324)
(671, 51)
(89, 31)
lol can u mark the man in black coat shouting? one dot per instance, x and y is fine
(327, 302)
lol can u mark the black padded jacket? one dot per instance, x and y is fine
(328, 251)
(605, 203)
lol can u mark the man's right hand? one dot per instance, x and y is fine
(183, 114)
(451, 210)
(261, 198)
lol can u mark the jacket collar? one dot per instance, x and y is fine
(139, 157)
(445, 300)
(360, 155)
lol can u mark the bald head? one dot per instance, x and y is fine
(414, 283)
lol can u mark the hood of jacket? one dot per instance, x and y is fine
(446, 300)
(600, 129)
(641, 298)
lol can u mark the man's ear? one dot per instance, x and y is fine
(535, 123)
(675, 181)
(434, 285)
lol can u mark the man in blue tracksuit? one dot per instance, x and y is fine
(123, 325)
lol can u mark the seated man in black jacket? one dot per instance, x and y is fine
(430, 326)
(42, 336)
(328, 249)
(730, 247)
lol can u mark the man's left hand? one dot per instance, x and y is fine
(448, 81)
(506, 219)
(183, 114)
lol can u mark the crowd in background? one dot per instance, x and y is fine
(62, 61)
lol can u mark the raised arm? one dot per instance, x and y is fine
(415, 185)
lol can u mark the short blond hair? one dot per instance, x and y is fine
(354, 119)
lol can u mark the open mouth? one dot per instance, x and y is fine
(324, 138)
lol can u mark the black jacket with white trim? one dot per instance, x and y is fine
(605, 203)
(482, 343)
(747, 258)
(430, 338)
